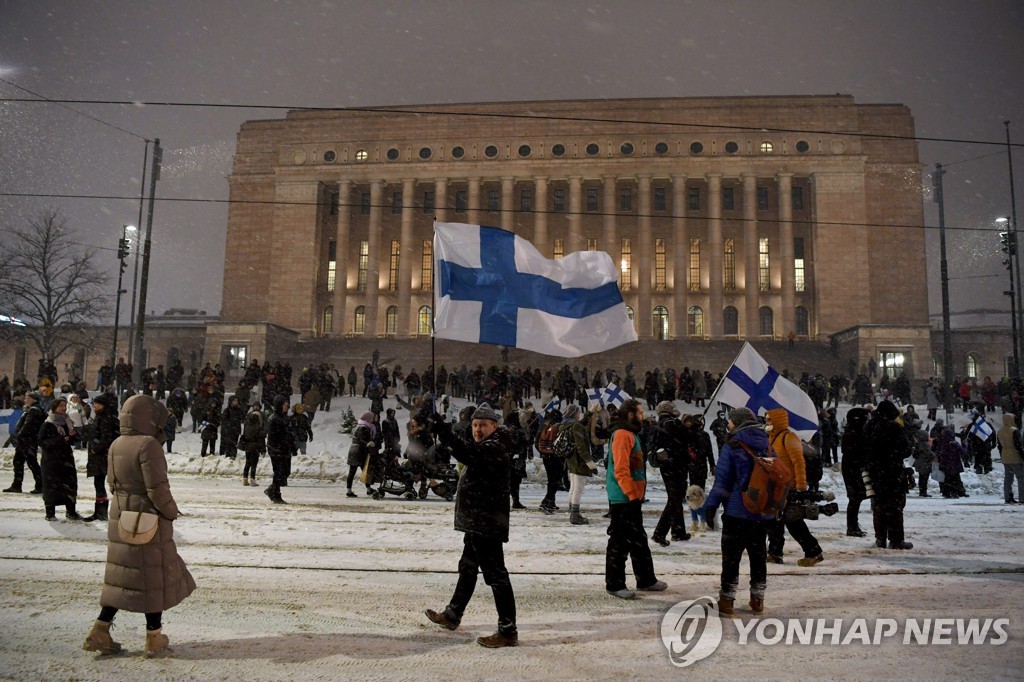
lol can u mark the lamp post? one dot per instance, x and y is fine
(123, 247)
(1008, 241)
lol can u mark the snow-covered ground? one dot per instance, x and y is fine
(328, 587)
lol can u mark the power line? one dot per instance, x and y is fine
(64, 104)
(534, 117)
(451, 209)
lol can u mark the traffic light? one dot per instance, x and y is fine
(122, 248)
(1008, 244)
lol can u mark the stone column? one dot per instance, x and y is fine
(373, 261)
(575, 240)
(473, 212)
(341, 258)
(713, 316)
(680, 257)
(507, 192)
(540, 216)
(405, 258)
(643, 264)
(609, 239)
(751, 288)
(788, 279)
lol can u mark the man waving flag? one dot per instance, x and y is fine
(494, 287)
(753, 383)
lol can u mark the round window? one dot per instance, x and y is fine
(458, 152)
(731, 147)
(558, 150)
(661, 148)
(362, 155)
(802, 146)
(593, 149)
(425, 153)
(696, 148)
(392, 154)
(626, 148)
(330, 156)
(767, 147)
(524, 150)
(490, 151)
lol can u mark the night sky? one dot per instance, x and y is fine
(959, 66)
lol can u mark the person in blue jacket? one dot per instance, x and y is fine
(12, 420)
(741, 530)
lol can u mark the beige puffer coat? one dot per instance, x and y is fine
(152, 577)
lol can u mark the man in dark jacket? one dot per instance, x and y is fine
(104, 430)
(26, 439)
(482, 513)
(888, 447)
(670, 448)
(280, 447)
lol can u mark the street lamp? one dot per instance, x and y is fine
(133, 242)
(1008, 245)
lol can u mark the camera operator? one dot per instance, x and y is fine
(855, 449)
(887, 448)
(786, 446)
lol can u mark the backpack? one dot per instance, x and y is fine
(546, 441)
(770, 480)
(564, 446)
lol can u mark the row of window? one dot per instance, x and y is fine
(694, 200)
(625, 264)
(660, 317)
(592, 149)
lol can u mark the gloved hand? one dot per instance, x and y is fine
(371, 445)
(592, 466)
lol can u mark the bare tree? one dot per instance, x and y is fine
(50, 283)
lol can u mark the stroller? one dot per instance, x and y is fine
(397, 479)
(435, 472)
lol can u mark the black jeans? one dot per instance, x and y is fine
(739, 535)
(800, 532)
(672, 517)
(627, 538)
(23, 456)
(251, 460)
(484, 555)
(282, 469)
(887, 514)
(553, 467)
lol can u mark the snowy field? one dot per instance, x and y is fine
(329, 588)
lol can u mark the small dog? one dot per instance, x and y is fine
(695, 501)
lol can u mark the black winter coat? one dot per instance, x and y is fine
(482, 500)
(231, 423)
(26, 432)
(888, 447)
(106, 428)
(280, 442)
(60, 478)
(670, 435)
(357, 452)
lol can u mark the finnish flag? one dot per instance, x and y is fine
(615, 396)
(494, 287)
(981, 428)
(595, 396)
(555, 404)
(751, 382)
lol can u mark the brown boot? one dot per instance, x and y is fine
(757, 604)
(442, 619)
(725, 606)
(99, 639)
(157, 644)
(498, 640)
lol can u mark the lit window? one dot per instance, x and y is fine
(559, 248)
(332, 264)
(424, 320)
(328, 320)
(891, 364)
(660, 323)
(236, 356)
(359, 322)
(362, 155)
(694, 321)
(393, 270)
(729, 265)
(626, 265)
(767, 147)
(798, 264)
(427, 266)
(591, 243)
(694, 264)
(364, 261)
(391, 320)
(659, 265)
(764, 281)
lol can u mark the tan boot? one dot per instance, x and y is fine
(99, 639)
(725, 606)
(157, 644)
(757, 604)
(245, 480)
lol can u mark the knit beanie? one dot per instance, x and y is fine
(742, 416)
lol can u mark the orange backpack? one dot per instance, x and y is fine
(770, 480)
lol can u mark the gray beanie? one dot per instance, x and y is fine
(573, 411)
(484, 411)
(742, 416)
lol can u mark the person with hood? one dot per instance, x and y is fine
(579, 464)
(855, 452)
(482, 515)
(720, 429)
(741, 529)
(149, 578)
(390, 434)
(363, 449)
(253, 443)
(671, 448)
(177, 403)
(887, 448)
(923, 460)
(231, 427)
(209, 428)
(950, 456)
(57, 438)
(787, 447)
(626, 482)
(301, 428)
(105, 429)
(1010, 452)
(280, 447)
(554, 466)
(26, 444)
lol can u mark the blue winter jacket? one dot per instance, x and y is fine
(733, 472)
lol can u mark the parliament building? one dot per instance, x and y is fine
(731, 217)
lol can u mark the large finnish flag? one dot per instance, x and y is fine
(752, 382)
(494, 287)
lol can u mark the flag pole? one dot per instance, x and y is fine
(433, 318)
(711, 400)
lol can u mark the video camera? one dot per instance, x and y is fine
(803, 504)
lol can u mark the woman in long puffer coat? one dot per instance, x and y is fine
(57, 437)
(148, 578)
